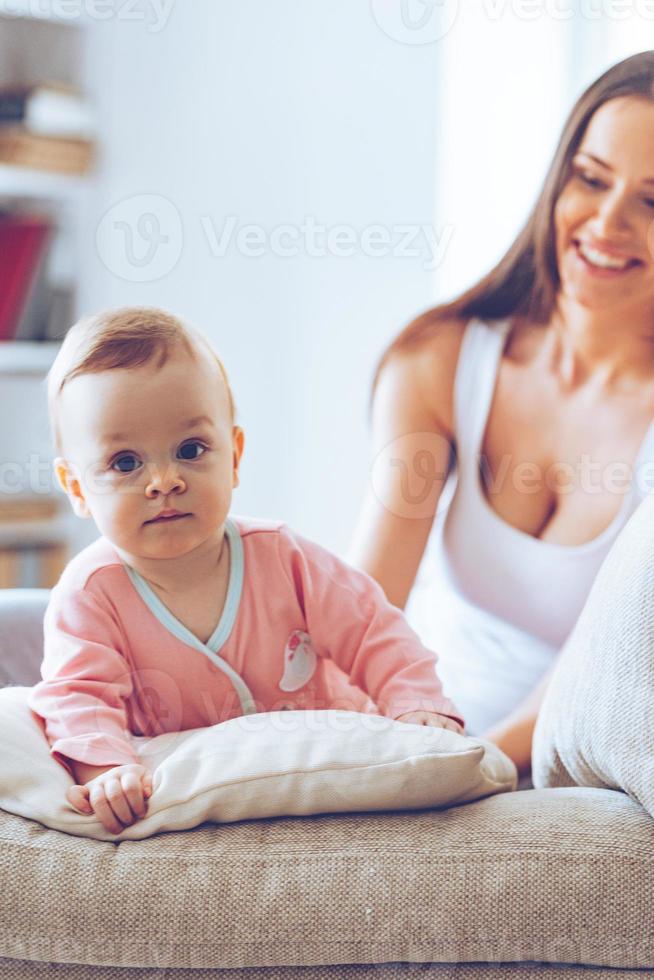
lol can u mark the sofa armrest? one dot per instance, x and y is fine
(21, 635)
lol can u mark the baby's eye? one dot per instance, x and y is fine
(128, 459)
(191, 446)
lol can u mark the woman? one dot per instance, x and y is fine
(533, 394)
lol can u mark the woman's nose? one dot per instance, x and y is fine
(612, 215)
(164, 482)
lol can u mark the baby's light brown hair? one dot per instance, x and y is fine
(122, 338)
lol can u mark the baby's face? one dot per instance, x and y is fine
(139, 441)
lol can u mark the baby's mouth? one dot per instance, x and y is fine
(165, 518)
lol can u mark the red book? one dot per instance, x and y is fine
(23, 239)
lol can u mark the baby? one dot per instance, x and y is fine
(179, 615)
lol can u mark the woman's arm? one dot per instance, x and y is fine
(411, 454)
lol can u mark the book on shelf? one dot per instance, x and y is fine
(56, 154)
(32, 322)
(60, 314)
(32, 566)
(33, 550)
(48, 109)
(23, 243)
(28, 508)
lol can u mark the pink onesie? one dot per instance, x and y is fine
(300, 629)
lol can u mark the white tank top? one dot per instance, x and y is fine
(493, 602)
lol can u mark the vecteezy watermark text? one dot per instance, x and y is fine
(153, 13)
(408, 475)
(567, 9)
(427, 21)
(141, 238)
(317, 240)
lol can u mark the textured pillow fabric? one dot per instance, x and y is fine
(279, 763)
(595, 726)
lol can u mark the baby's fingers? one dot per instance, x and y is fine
(135, 791)
(77, 796)
(443, 721)
(453, 726)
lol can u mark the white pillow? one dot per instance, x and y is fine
(263, 765)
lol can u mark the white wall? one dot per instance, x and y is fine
(275, 112)
(510, 72)
(505, 89)
(272, 113)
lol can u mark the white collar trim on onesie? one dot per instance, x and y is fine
(222, 631)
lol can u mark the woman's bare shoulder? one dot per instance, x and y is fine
(419, 378)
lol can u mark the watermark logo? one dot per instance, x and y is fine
(140, 239)
(415, 21)
(408, 474)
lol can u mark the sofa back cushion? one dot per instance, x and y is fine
(595, 725)
(21, 635)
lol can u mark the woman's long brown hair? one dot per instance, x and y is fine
(525, 281)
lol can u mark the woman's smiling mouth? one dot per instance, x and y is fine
(600, 262)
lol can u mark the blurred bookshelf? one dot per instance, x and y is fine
(27, 182)
(26, 358)
(47, 158)
(36, 525)
(33, 542)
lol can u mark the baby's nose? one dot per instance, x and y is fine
(164, 482)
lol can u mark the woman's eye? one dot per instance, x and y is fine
(118, 464)
(590, 181)
(190, 447)
(597, 184)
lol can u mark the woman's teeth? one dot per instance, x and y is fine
(601, 259)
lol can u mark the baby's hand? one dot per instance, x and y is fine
(117, 796)
(432, 719)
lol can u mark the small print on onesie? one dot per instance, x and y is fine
(300, 661)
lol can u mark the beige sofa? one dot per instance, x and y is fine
(538, 882)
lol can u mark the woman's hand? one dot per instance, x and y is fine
(432, 719)
(117, 796)
(513, 736)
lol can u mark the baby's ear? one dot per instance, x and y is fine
(238, 441)
(69, 483)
